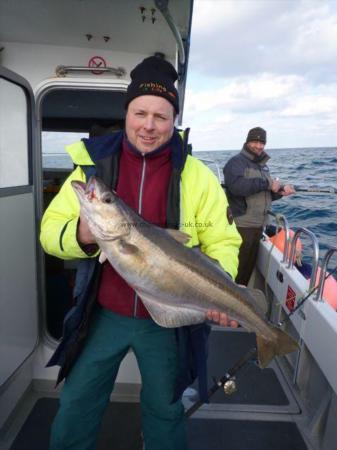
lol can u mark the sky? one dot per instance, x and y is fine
(268, 63)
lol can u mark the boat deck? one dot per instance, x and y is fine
(263, 414)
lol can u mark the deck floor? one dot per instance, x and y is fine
(261, 415)
(210, 434)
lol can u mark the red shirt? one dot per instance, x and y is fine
(143, 183)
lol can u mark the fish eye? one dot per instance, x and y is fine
(107, 197)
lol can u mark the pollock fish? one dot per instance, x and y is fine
(176, 284)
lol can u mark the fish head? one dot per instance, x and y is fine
(101, 208)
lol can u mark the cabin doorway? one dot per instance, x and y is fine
(68, 115)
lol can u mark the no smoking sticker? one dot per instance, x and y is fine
(291, 299)
(97, 62)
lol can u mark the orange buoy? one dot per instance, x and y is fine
(329, 290)
(279, 241)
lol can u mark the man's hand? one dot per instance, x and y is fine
(278, 188)
(84, 235)
(275, 185)
(287, 189)
(222, 319)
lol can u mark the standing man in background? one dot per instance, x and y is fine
(250, 191)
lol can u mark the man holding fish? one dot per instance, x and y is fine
(149, 168)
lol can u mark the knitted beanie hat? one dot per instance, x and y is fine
(257, 134)
(154, 76)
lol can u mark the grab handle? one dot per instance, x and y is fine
(62, 71)
(325, 263)
(315, 255)
(280, 218)
(162, 5)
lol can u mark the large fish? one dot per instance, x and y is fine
(177, 285)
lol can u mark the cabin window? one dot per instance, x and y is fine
(14, 168)
(54, 155)
(56, 162)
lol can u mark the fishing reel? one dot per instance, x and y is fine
(229, 386)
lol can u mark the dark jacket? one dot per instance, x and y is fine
(248, 188)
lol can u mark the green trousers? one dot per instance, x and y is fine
(86, 391)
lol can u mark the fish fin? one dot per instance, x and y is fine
(171, 316)
(127, 249)
(175, 319)
(258, 299)
(280, 345)
(179, 236)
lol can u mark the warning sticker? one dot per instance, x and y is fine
(97, 62)
(291, 299)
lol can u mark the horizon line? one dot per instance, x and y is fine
(268, 149)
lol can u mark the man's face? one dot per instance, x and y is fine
(256, 147)
(149, 122)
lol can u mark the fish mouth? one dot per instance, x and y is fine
(79, 186)
(80, 189)
(94, 189)
(85, 190)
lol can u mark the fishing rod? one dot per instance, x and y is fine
(312, 189)
(326, 190)
(227, 382)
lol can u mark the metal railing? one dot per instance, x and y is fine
(280, 218)
(315, 255)
(162, 5)
(322, 277)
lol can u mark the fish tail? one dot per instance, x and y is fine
(281, 344)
